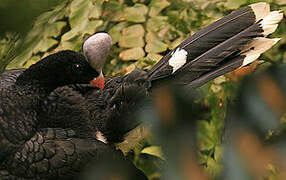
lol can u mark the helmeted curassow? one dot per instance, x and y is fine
(20, 101)
(105, 114)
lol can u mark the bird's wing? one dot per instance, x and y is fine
(17, 121)
(59, 154)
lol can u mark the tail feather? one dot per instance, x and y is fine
(237, 61)
(232, 63)
(238, 36)
(257, 47)
(260, 10)
(270, 22)
(247, 41)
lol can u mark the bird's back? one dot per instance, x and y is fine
(17, 119)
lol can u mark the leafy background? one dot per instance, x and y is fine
(142, 32)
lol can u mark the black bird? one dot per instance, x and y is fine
(55, 153)
(229, 43)
(34, 151)
(20, 101)
(232, 42)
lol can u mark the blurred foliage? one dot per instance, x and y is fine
(142, 32)
(29, 10)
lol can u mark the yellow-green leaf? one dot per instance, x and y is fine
(132, 36)
(156, 23)
(136, 13)
(154, 151)
(157, 6)
(132, 54)
(154, 57)
(115, 31)
(96, 11)
(234, 4)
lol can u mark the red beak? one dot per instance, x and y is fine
(98, 82)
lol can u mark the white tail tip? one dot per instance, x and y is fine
(270, 22)
(260, 10)
(257, 47)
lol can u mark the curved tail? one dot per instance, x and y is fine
(234, 41)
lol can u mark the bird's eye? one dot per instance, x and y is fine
(77, 68)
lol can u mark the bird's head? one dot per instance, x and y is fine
(59, 69)
(96, 49)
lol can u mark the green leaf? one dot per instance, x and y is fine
(43, 46)
(154, 151)
(114, 11)
(39, 37)
(218, 154)
(220, 79)
(156, 23)
(30, 42)
(74, 42)
(234, 4)
(213, 168)
(31, 61)
(207, 140)
(74, 38)
(115, 31)
(91, 27)
(96, 11)
(55, 29)
(132, 54)
(157, 6)
(79, 22)
(151, 166)
(176, 42)
(154, 57)
(154, 45)
(8, 47)
(132, 36)
(136, 13)
(54, 15)
(79, 11)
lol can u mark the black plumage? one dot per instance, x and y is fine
(55, 153)
(230, 43)
(229, 40)
(20, 101)
(108, 111)
(212, 35)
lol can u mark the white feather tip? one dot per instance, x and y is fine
(257, 47)
(270, 22)
(260, 10)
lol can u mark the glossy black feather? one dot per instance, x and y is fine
(231, 63)
(107, 112)
(20, 101)
(213, 51)
(212, 58)
(60, 154)
(207, 38)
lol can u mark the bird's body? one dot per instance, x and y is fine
(106, 115)
(107, 106)
(15, 131)
(23, 143)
